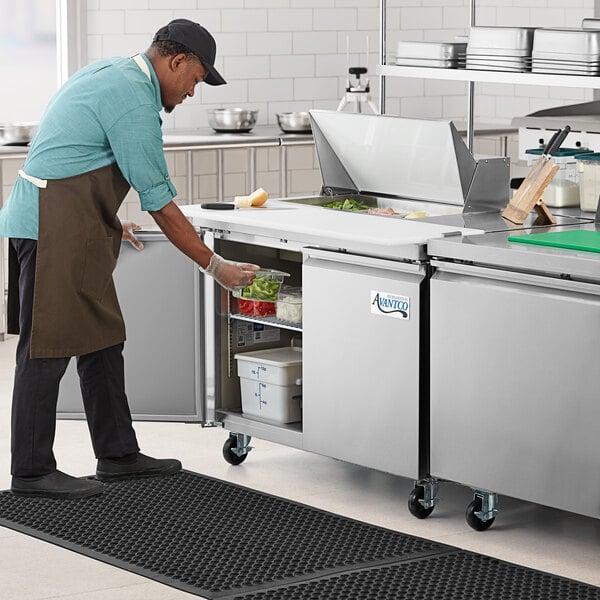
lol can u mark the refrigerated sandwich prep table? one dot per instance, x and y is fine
(343, 261)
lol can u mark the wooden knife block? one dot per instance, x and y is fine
(530, 196)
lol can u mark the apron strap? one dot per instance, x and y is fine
(41, 183)
(141, 63)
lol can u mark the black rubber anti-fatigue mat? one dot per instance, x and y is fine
(207, 536)
(457, 575)
(219, 540)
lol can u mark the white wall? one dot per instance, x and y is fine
(291, 54)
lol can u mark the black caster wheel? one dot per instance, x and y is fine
(473, 520)
(229, 455)
(415, 507)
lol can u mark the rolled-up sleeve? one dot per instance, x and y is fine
(136, 142)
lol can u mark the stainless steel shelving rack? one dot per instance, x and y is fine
(471, 76)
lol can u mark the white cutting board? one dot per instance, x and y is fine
(325, 227)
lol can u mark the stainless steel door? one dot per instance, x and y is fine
(361, 363)
(161, 296)
(515, 385)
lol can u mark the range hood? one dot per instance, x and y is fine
(415, 159)
(584, 116)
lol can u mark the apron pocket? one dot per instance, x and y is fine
(98, 267)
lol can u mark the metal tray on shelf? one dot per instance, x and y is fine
(513, 39)
(426, 62)
(431, 50)
(583, 43)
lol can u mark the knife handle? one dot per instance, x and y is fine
(558, 140)
(550, 142)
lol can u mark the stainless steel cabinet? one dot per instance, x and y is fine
(160, 292)
(362, 364)
(515, 387)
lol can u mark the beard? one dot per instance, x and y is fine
(169, 109)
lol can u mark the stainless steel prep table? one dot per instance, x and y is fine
(346, 255)
(514, 372)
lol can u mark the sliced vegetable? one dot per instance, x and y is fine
(264, 309)
(262, 288)
(246, 307)
(347, 204)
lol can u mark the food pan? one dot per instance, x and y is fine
(501, 38)
(431, 50)
(498, 65)
(499, 52)
(560, 70)
(426, 62)
(555, 61)
(590, 24)
(583, 43)
(265, 286)
(505, 64)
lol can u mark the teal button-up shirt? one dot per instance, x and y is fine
(107, 112)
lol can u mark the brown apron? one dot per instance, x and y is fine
(75, 307)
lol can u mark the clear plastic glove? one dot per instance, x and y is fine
(128, 228)
(229, 274)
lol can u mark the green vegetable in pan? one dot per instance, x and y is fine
(347, 204)
(262, 288)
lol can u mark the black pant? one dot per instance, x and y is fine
(35, 394)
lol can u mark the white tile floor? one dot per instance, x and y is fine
(524, 533)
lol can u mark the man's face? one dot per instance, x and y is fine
(183, 76)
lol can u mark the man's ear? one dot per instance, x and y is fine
(177, 61)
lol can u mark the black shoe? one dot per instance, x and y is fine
(138, 466)
(56, 485)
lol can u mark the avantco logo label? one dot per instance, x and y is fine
(390, 305)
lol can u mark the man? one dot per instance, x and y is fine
(100, 134)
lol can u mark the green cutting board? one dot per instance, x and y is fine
(575, 240)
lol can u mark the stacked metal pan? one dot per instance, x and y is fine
(567, 51)
(500, 48)
(445, 55)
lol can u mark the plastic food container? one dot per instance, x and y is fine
(265, 286)
(564, 187)
(588, 168)
(271, 383)
(256, 308)
(289, 304)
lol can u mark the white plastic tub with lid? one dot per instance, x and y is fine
(588, 168)
(271, 383)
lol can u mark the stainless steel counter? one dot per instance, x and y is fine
(514, 369)
(494, 250)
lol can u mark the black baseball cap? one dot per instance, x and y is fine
(199, 41)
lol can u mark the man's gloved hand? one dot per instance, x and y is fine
(229, 274)
(128, 228)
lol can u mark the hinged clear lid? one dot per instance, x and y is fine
(392, 156)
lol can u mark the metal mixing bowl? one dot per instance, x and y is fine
(18, 133)
(227, 120)
(294, 122)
